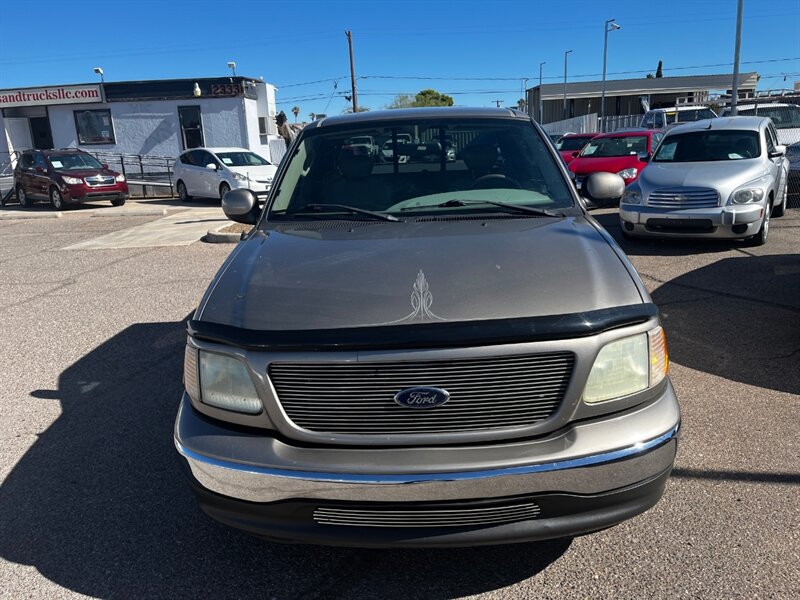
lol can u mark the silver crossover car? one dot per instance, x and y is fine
(721, 178)
(430, 352)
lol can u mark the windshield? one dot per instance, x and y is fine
(709, 145)
(615, 146)
(74, 162)
(572, 143)
(784, 117)
(684, 116)
(497, 160)
(241, 159)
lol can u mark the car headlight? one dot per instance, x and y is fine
(119, 178)
(627, 366)
(239, 177)
(628, 173)
(220, 381)
(631, 197)
(72, 180)
(747, 196)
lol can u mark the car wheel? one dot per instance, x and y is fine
(224, 188)
(118, 202)
(24, 201)
(760, 238)
(779, 210)
(56, 199)
(182, 193)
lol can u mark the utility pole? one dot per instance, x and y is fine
(565, 82)
(352, 70)
(541, 103)
(736, 52)
(497, 102)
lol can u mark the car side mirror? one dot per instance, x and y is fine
(604, 189)
(105, 166)
(643, 156)
(211, 166)
(778, 151)
(39, 169)
(575, 154)
(240, 206)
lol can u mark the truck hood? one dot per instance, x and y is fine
(343, 274)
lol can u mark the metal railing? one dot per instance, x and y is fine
(142, 170)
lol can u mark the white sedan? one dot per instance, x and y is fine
(211, 172)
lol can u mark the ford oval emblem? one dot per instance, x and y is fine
(422, 397)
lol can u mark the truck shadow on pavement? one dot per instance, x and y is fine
(99, 504)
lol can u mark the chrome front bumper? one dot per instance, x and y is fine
(722, 219)
(590, 457)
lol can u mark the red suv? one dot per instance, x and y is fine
(66, 177)
(571, 144)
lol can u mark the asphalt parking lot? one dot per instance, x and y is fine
(93, 501)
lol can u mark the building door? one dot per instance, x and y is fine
(40, 130)
(191, 126)
(19, 134)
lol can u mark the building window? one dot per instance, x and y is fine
(262, 126)
(191, 126)
(94, 127)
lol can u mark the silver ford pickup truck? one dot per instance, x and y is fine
(431, 352)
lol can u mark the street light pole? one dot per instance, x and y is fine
(352, 71)
(609, 26)
(541, 104)
(736, 51)
(565, 82)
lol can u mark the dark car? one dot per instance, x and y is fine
(441, 353)
(66, 177)
(793, 184)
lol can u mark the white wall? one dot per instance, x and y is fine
(153, 127)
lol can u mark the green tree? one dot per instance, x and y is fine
(659, 69)
(296, 111)
(650, 76)
(433, 98)
(349, 109)
(423, 98)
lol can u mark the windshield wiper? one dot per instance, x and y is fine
(513, 207)
(321, 208)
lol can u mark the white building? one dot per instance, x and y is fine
(157, 118)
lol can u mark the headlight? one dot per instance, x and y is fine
(72, 180)
(221, 381)
(627, 366)
(628, 173)
(747, 195)
(631, 197)
(239, 177)
(119, 178)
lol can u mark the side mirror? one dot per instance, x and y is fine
(39, 169)
(604, 189)
(211, 166)
(575, 154)
(105, 166)
(240, 206)
(778, 151)
(643, 156)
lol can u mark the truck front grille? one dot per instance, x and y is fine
(684, 197)
(485, 393)
(427, 517)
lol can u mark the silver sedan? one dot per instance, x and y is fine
(720, 178)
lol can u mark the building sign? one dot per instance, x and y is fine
(59, 94)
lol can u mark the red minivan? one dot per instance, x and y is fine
(66, 177)
(620, 152)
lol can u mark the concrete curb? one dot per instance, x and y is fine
(130, 212)
(215, 235)
(19, 214)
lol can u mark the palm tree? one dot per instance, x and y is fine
(296, 111)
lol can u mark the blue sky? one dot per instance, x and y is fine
(478, 51)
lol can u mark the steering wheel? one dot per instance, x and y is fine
(486, 182)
